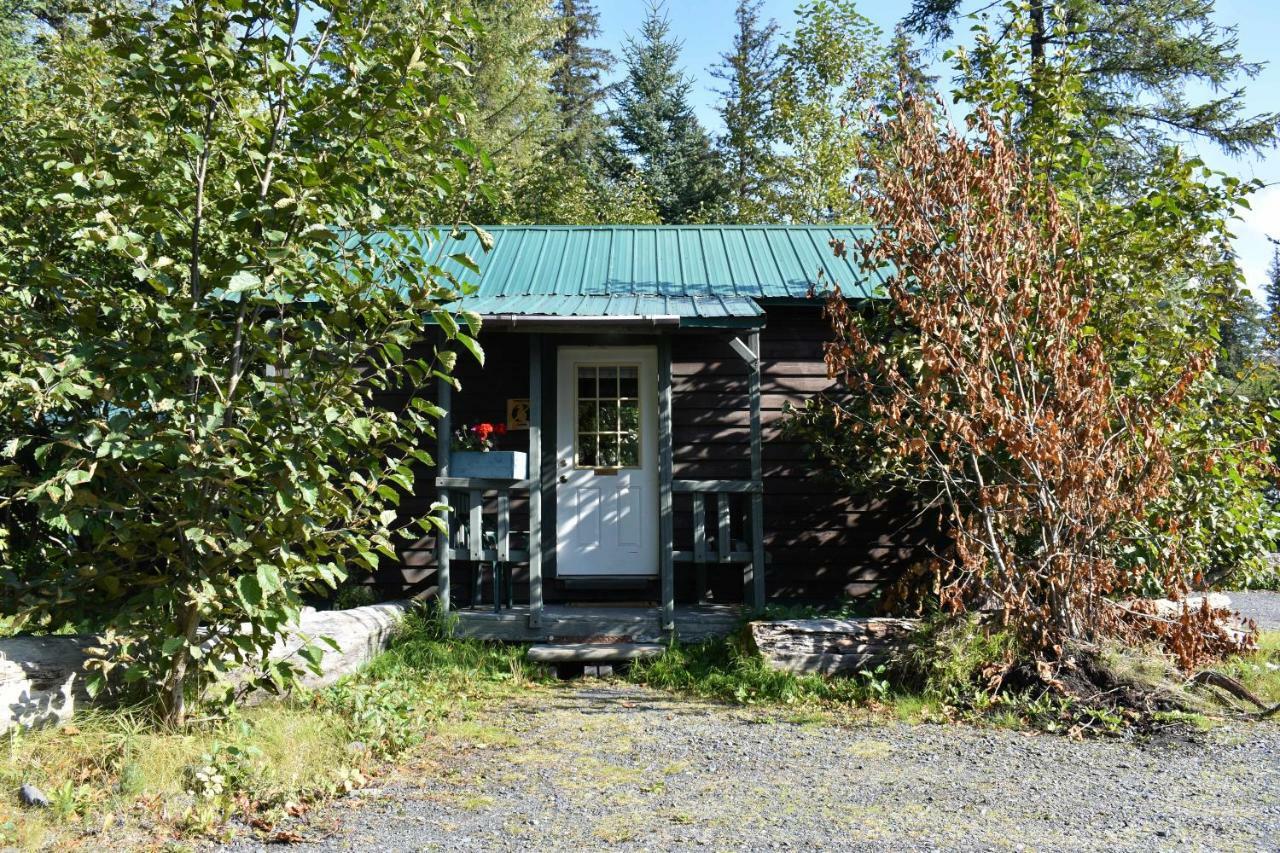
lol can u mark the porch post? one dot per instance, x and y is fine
(757, 478)
(535, 480)
(666, 527)
(444, 541)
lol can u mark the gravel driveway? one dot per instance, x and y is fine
(607, 765)
(1261, 607)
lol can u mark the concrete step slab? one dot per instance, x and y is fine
(593, 652)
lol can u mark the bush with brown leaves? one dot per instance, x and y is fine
(982, 382)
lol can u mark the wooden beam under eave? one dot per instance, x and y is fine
(535, 480)
(666, 524)
(756, 580)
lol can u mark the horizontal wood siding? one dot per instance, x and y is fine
(823, 543)
(483, 397)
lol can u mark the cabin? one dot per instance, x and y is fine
(639, 481)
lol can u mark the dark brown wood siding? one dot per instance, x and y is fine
(823, 543)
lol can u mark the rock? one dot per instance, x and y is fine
(42, 679)
(32, 796)
(830, 646)
(357, 747)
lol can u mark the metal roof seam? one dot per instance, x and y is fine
(799, 260)
(511, 269)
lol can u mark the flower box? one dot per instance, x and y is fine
(494, 464)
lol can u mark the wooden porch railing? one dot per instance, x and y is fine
(471, 539)
(718, 529)
(467, 526)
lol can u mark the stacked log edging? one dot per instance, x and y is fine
(831, 646)
(42, 678)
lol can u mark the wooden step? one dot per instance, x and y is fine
(593, 652)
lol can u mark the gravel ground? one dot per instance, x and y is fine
(1261, 607)
(605, 765)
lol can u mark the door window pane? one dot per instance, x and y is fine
(628, 415)
(586, 383)
(609, 449)
(587, 421)
(629, 452)
(608, 416)
(587, 451)
(608, 382)
(628, 382)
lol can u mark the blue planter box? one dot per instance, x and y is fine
(496, 464)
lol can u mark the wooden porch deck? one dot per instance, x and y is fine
(598, 623)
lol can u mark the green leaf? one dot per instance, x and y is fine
(268, 577)
(250, 589)
(243, 281)
(446, 322)
(473, 321)
(473, 347)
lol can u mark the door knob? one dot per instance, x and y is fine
(564, 478)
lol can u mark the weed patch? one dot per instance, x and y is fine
(1258, 671)
(119, 771)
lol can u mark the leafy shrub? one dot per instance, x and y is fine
(225, 769)
(195, 317)
(956, 660)
(387, 717)
(983, 384)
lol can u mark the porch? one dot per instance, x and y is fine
(561, 623)
(509, 533)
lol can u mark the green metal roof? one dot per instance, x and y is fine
(700, 274)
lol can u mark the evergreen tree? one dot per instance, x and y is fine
(658, 129)
(1270, 314)
(514, 116)
(576, 73)
(750, 72)
(1139, 62)
(1271, 290)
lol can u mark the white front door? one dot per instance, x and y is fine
(607, 461)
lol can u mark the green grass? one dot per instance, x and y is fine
(1259, 670)
(945, 678)
(118, 769)
(728, 670)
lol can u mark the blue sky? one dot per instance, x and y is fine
(706, 29)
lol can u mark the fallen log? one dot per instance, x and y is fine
(42, 679)
(831, 646)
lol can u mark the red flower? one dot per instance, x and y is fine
(483, 430)
(500, 429)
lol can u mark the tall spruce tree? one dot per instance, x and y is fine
(750, 73)
(1271, 290)
(577, 71)
(658, 129)
(1142, 63)
(1271, 303)
(513, 115)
